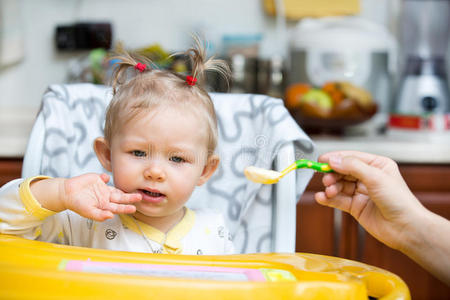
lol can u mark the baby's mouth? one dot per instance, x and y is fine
(152, 194)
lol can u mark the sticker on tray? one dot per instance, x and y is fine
(177, 271)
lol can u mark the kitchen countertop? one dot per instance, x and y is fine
(403, 149)
(16, 124)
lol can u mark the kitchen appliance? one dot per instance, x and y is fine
(424, 31)
(349, 49)
(83, 36)
(297, 9)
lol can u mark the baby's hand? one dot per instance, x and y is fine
(90, 196)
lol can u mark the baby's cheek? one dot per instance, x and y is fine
(123, 183)
(184, 189)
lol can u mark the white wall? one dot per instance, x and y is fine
(136, 23)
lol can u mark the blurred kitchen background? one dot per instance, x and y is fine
(369, 75)
(367, 67)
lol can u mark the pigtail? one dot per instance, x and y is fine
(123, 61)
(200, 64)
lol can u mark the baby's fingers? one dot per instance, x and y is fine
(121, 208)
(100, 215)
(124, 198)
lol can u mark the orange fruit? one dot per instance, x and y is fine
(294, 94)
(330, 87)
(333, 89)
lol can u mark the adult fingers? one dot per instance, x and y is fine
(334, 189)
(359, 203)
(345, 187)
(348, 187)
(361, 188)
(340, 201)
(331, 178)
(364, 156)
(353, 166)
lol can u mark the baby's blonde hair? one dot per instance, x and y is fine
(152, 88)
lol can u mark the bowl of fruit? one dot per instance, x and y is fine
(332, 107)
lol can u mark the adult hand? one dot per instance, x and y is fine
(372, 190)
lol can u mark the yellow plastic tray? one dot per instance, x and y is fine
(39, 270)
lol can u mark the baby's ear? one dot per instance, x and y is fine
(103, 151)
(209, 169)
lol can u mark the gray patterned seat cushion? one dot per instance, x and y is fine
(252, 128)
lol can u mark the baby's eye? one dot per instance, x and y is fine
(138, 153)
(176, 159)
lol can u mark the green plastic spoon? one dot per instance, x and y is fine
(264, 176)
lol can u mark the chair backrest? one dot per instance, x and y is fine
(253, 130)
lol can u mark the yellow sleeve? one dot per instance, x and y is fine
(30, 203)
(20, 213)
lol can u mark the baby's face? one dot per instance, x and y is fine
(161, 155)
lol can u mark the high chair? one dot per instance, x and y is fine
(253, 130)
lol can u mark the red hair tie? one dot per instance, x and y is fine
(191, 80)
(140, 66)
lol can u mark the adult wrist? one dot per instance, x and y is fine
(415, 233)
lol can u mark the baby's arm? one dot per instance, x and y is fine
(20, 213)
(26, 204)
(88, 195)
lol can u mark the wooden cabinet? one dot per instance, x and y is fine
(315, 223)
(323, 230)
(10, 168)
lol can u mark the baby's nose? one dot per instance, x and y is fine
(154, 171)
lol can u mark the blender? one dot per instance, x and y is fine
(423, 92)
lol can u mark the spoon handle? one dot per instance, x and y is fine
(309, 164)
